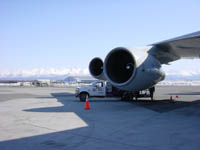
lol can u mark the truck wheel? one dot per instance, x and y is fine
(83, 96)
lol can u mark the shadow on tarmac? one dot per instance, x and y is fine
(72, 139)
(164, 105)
(161, 106)
(66, 139)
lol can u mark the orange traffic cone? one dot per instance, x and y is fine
(87, 106)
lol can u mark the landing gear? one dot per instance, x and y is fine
(151, 91)
(137, 94)
(127, 96)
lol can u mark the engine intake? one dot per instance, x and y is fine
(120, 66)
(96, 68)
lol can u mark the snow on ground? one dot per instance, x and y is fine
(179, 83)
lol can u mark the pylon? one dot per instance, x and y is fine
(87, 106)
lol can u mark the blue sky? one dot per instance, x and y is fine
(69, 33)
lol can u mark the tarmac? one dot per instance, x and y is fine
(43, 118)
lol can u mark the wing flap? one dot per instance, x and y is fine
(187, 46)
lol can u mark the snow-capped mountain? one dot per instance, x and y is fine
(61, 73)
(43, 73)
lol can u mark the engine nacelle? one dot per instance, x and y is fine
(96, 68)
(131, 72)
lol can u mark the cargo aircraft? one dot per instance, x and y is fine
(140, 68)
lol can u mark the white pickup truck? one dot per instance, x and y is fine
(97, 89)
(105, 89)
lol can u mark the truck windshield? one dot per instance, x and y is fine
(98, 84)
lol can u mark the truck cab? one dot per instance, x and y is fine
(98, 88)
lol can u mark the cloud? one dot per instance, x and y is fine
(182, 72)
(184, 69)
(170, 71)
(45, 72)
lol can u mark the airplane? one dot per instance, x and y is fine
(140, 68)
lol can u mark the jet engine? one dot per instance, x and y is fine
(131, 72)
(96, 68)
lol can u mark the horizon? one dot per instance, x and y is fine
(177, 72)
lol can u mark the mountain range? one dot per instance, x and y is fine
(60, 74)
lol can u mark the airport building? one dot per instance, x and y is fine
(69, 81)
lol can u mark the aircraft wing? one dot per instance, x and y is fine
(186, 46)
